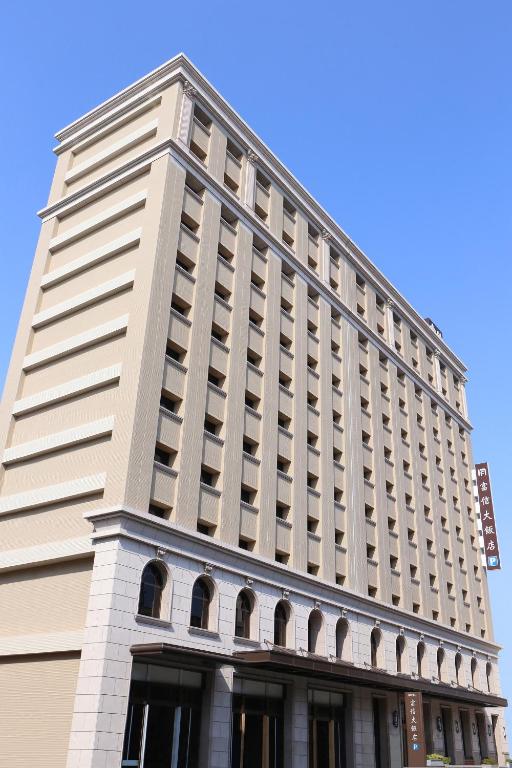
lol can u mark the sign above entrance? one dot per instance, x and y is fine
(415, 732)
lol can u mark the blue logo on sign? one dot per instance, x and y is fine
(492, 561)
(415, 747)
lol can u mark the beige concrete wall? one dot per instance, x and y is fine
(45, 600)
(36, 707)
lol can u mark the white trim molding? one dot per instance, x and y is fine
(76, 343)
(50, 494)
(55, 642)
(114, 150)
(84, 299)
(100, 220)
(91, 259)
(58, 440)
(69, 389)
(51, 551)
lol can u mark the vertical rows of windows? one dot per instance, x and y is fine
(426, 479)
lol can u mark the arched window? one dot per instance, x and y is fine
(473, 671)
(420, 653)
(399, 651)
(488, 675)
(201, 599)
(244, 606)
(458, 664)
(151, 587)
(440, 663)
(281, 614)
(374, 646)
(341, 639)
(314, 629)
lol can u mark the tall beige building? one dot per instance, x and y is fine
(236, 514)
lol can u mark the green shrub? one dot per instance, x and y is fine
(489, 761)
(435, 756)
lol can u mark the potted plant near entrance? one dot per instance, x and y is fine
(435, 759)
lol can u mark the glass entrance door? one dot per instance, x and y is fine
(446, 715)
(257, 738)
(482, 735)
(380, 733)
(163, 721)
(326, 730)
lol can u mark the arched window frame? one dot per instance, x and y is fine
(376, 643)
(420, 659)
(343, 640)
(282, 625)
(400, 657)
(489, 676)
(474, 672)
(159, 603)
(244, 614)
(458, 667)
(316, 635)
(440, 661)
(208, 620)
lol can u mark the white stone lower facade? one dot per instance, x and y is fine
(138, 670)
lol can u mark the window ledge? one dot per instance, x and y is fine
(140, 619)
(171, 415)
(204, 632)
(246, 641)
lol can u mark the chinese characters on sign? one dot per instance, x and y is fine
(416, 749)
(491, 550)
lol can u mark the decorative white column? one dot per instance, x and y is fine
(250, 179)
(437, 371)
(187, 110)
(326, 257)
(390, 322)
(463, 401)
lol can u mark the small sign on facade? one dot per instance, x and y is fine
(489, 533)
(415, 731)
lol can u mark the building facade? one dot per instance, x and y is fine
(236, 513)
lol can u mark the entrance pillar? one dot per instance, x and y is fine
(296, 726)
(216, 729)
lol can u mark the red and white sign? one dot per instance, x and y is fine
(489, 533)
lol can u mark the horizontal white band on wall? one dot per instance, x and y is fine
(51, 551)
(84, 299)
(18, 645)
(100, 220)
(113, 151)
(58, 440)
(68, 389)
(92, 258)
(49, 494)
(103, 129)
(76, 343)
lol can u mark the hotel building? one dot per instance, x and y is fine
(236, 516)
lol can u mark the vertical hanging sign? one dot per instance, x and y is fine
(416, 748)
(489, 534)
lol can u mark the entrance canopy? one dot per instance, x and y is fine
(277, 659)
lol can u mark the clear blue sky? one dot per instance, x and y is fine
(412, 104)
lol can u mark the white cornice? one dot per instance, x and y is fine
(180, 67)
